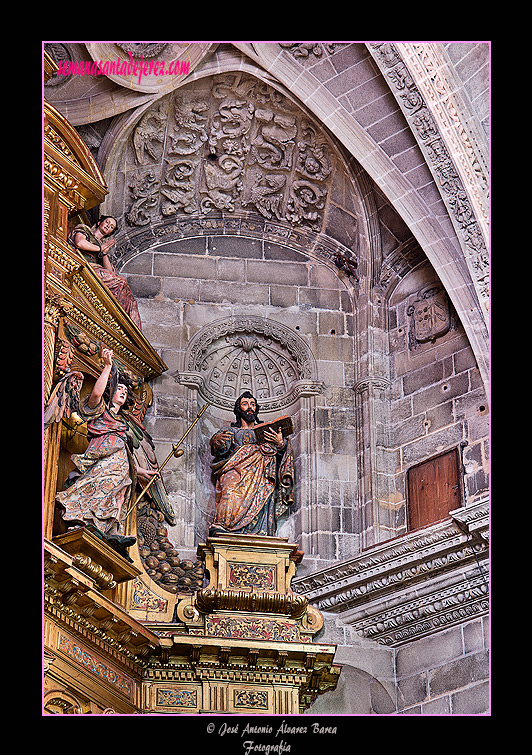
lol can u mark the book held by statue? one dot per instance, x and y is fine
(284, 423)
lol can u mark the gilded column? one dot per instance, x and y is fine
(52, 314)
(53, 308)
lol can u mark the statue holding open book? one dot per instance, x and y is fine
(254, 468)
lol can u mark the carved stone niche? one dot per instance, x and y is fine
(250, 353)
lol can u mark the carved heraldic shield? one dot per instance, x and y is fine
(430, 314)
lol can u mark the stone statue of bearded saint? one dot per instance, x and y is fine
(254, 481)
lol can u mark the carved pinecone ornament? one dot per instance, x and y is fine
(161, 560)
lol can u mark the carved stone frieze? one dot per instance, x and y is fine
(146, 50)
(458, 600)
(437, 80)
(242, 145)
(432, 142)
(308, 49)
(412, 586)
(144, 190)
(149, 134)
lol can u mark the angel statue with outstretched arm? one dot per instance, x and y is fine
(99, 490)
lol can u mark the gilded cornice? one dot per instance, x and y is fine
(204, 660)
(95, 310)
(69, 167)
(73, 601)
(49, 66)
(62, 139)
(125, 352)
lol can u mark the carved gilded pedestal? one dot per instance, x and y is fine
(242, 644)
(94, 651)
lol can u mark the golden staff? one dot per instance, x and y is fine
(176, 451)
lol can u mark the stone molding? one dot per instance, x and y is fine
(410, 586)
(443, 92)
(416, 614)
(457, 170)
(318, 246)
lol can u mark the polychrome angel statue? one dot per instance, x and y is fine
(120, 453)
(94, 244)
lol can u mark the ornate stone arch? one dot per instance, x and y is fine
(462, 273)
(241, 353)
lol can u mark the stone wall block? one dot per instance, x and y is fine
(429, 652)
(435, 395)
(474, 700)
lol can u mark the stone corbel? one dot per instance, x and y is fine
(473, 520)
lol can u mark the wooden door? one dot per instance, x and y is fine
(433, 489)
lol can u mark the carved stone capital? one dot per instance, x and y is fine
(365, 383)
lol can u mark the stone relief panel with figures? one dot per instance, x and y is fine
(233, 143)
